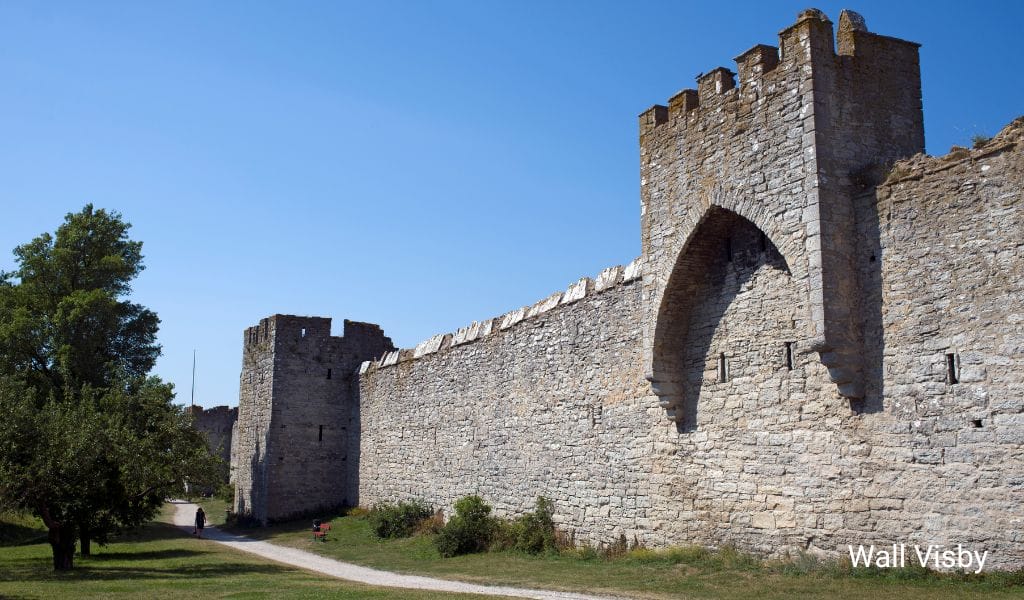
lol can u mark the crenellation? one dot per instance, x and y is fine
(682, 103)
(755, 63)
(820, 344)
(652, 117)
(713, 84)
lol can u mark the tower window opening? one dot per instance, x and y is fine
(723, 368)
(303, 332)
(328, 373)
(789, 356)
(951, 369)
(320, 436)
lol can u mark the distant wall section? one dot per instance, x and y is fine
(217, 424)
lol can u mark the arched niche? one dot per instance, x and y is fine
(729, 273)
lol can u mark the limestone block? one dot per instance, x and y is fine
(510, 319)
(545, 305)
(429, 346)
(462, 335)
(364, 367)
(391, 358)
(607, 278)
(765, 520)
(633, 270)
(577, 291)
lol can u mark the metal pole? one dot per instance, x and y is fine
(193, 378)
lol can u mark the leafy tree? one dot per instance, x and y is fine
(89, 442)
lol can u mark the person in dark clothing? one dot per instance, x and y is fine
(200, 522)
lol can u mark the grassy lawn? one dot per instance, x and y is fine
(159, 561)
(214, 508)
(683, 573)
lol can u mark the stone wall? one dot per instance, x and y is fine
(836, 341)
(298, 432)
(943, 453)
(217, 424)
(545, 400)
(768, 456)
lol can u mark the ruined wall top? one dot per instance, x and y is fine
(607, 279)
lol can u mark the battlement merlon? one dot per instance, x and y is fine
(808, 41)
(363, 338)
(278, 327)
(787, 148)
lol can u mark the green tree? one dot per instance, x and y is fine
(92, 443)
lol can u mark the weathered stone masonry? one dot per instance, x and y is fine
(816, 348)
(217, 424)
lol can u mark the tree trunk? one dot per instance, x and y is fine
(85, 537)
(62, 541)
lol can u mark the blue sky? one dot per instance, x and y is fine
(415, 164)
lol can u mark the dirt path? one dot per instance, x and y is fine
(184, 517)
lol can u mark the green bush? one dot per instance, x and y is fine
(532, 533)
(470, 529)
(226, 492)
(244, 520)
(398, 520)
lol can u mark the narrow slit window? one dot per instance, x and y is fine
(320, 436)
(328, 373)
(951, 369)
(789, 356)
(303, 332)
(723, 368)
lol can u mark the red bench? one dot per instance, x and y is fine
(322, 534)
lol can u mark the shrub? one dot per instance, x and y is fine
(533, 532)
(979, 139)
(398, 520)
(244, 520)
(469, 530)
(357, 511)
(432, 525)
(226, 492)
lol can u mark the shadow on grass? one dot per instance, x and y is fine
(12, 534)
(192, 572)
(150, 555)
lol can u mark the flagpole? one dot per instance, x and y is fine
(193, 378)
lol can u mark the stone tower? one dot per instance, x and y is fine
(297, 445)
(767, 169)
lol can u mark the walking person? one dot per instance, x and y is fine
(200, 522)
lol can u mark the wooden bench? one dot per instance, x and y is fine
(322, 534)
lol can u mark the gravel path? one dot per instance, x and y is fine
(184, 517)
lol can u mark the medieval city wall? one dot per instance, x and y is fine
(770, 457)
(297, 448)
(941, 254)
(217, 424)
(545, 400)
(817, 347)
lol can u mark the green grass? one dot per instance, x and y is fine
(677, 573)
(159, 561)
(214, 508)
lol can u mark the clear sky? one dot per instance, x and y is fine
(414, 164)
